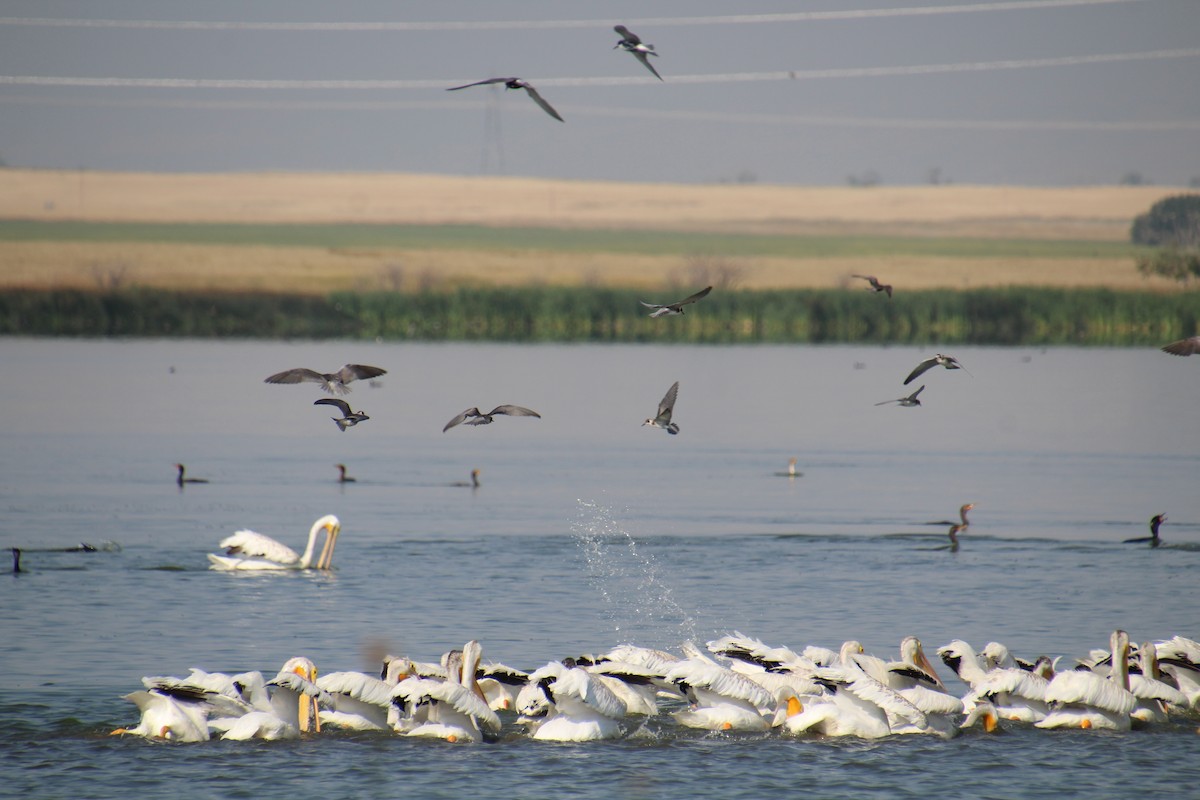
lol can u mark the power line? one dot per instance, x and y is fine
(726, 77)
(468, 25)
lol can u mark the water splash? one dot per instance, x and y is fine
(635, 596)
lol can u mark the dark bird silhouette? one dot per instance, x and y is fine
(515, 83)
(632, 43)
(473, 483)
(876, 285)
(181, 478)
(911, 400)
(666, 408)
(949, 362)
(342, 476)
(349, 418)
(473, 416)
(332, 382)
(670, 309)
(1184, 347)
(962, 517)
(1152, 539)
(16, 554)
(953, 533)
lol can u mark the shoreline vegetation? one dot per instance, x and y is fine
(442, 258)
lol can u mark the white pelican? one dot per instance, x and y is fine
(247, 550)
(293, 707)
(719, 699)
(1153, 694)
(1179, 660)
(454, 709)
(566, 703)
(169, 718)
(1014, 693)
(914, 679)
(357, 701)
(634, 685)
(776, 669)
(1084, 699)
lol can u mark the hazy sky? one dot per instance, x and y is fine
(1024, 92)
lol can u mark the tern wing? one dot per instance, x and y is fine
(642, 57)
(541, 101)
(667, 406)
(627, 34)
(353, 372)
(480, 83)
(698, 295)
(298, 375)
(1184, 347)
(470, 412)
(342, 405)
(922, 368)
(514, 411)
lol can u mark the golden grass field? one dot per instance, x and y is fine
(1101, 213)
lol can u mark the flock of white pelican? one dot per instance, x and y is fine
(735, 684)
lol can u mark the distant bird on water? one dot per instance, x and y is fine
(515, 83)
(1152, 539)
(473, 416)
(342, 476)
(349, 418)
(332, 382)
(792, 472)
(962, 516)
(182, 478)
(876, 285)
(1184, 347)
(473, 483)
(666, 408)
(632, 43)
(911, 400)
(949, 362)
(670, 309)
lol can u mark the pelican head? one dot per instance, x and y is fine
(307, 712)
(332, 527)
(911, 652)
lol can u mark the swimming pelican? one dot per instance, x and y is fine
(666, 407)
(348, 419)
(332, 382)
(358, 701)
(1155, 696)
(631, 43)
(1155, 522)
(949, 362)
(672, 309)
(181, 478)
(1179, 659)
(515, 83)
(500, 685)
(165, 717)
(454, 709)
(1184, 347)
(719, 699)
(247, 550)
(564, 702)
(1015, 694)
(342, 476)
(293, 698)
(1085, 699)
(876, 285)
(473, 416)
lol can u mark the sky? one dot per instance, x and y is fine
(809, 92)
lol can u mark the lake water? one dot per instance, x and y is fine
(587, 531)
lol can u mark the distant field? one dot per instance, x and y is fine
(319, 233)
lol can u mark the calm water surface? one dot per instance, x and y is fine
(587, 531)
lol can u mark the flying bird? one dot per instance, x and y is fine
(515, 83)
(473, 416)
(632, 43)
(349, 418)
(1184, 347)
(949, 362)
(670, 309)
(876, 285)
(332, 382)
(909, 401)
(666, 407)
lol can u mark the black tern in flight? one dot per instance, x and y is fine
(949, 362)
(876, 285)
(632, 43)
(332, 382)
(909, 401)
(670, 309)
(665, 408)
(349, 418)
(1184, 347)
(473, 416)
(515, 83)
